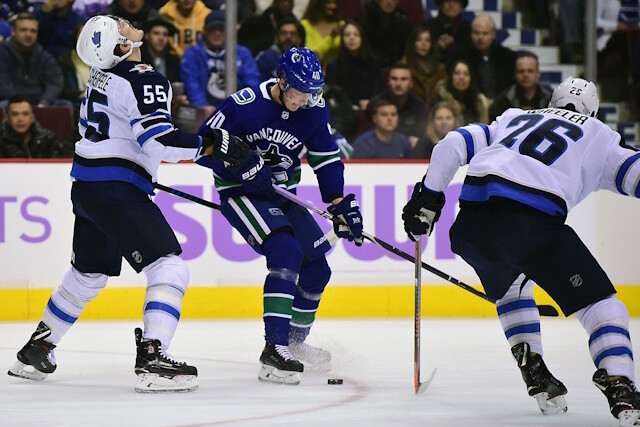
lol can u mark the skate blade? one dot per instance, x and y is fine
(154, 383)
(27, 372)
(269, 374)
(629, 418)
(554, 406)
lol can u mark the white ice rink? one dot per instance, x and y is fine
(477, 382)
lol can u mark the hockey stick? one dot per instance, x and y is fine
(187, 196)
(545, 310)
(419, 387)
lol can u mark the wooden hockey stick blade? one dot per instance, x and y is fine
(422, 386)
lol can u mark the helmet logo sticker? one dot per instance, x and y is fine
(96, 38)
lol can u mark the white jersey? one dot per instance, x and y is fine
(550, 159)
(126, 128)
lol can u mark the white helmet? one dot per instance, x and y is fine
(98, 40)
(583, 95)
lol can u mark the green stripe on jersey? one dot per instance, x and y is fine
(317, 158)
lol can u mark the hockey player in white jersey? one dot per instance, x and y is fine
(126, 129)
(526, 171)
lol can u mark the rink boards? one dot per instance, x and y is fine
(36, 226)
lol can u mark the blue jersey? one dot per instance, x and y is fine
(279, 136)
(126, 128)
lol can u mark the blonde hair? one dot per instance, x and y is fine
(431, 127)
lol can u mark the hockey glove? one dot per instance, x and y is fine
(226, 147)
(349, 211)
(257, 178)
(422, 211)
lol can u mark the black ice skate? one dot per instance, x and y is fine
(319, 360)
(157, 372)
(624, 399)
(36, 359)
(544, 387)
(279, 366)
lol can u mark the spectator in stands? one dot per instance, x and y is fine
(26, 68)
(155, 50)
(322, 26)
(134, 11)
(75, 73)
(423, 57)
(449, 29)
(90, 8)
(289, 34)
(354, 68)
(383, 142)
(202, 67)
(492, 63)
(387, 30)
(188, 17)
(412, 110)
(258, 32)
(57, 22)
(526, 93)
(5, 27)
(442, 119)
(21, 136)
(460, 90)
(617, 23)
(570, 14)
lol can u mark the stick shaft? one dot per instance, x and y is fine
(417, 315)
(545, 310)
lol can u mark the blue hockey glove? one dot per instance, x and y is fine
(257, 178)
(226, 147)
(422, 211)
(349, 210)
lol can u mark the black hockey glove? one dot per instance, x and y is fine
(257, 178)
(422, 211)
(226, 147)
(349, 210)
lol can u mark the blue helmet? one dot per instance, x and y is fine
(302, 71)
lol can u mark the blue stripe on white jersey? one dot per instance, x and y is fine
(126, 126)
(549, 159)
(623, 173)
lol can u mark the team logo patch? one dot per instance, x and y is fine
(97, 35)
(251, 240)
(575, 280)
(137, 257)
(285, 115)
(275, 211)
(141, 68)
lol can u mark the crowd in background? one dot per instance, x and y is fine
(397, 79)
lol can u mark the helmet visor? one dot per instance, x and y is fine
(298, 99)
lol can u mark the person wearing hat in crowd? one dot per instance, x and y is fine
(449, 29)
(188, 16)
(155, 51)
(202, 67)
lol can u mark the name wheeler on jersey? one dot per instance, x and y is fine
(126, 128)
(279, 136)
(549, 159)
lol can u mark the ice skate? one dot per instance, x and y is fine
(544, 387)
(279, 366)
(624, 399)
(36, 360)
(159, 373)
(317, 359)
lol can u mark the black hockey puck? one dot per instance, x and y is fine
(333, 381)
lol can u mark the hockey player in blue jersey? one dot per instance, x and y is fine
(126, 130)
(277, 119)
(526, 171)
